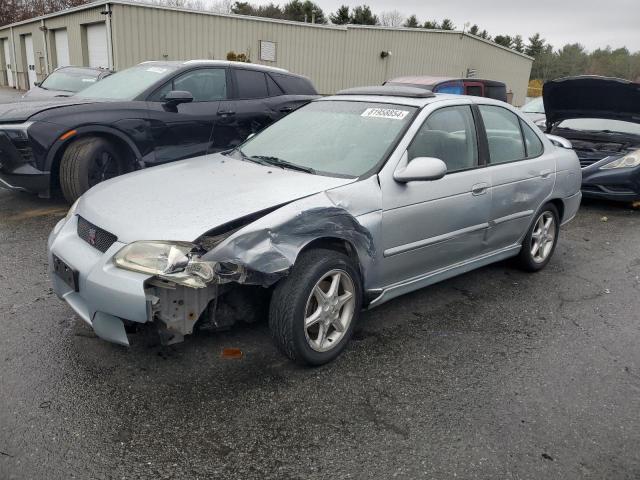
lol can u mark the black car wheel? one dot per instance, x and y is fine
(314, 310)
(87, 162)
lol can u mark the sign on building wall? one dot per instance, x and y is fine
(267, 51)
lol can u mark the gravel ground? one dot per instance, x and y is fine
(493, 374)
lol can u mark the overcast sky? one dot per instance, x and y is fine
(593, 23)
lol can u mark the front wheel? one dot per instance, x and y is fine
(87, 162)
(314, 310)
(541, 240)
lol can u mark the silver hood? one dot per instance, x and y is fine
(183, 200)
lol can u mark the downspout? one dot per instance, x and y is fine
(14, 70)
(109, 36)
(43, 28)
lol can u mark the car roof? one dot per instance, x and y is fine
(217, 63)
(398, 96)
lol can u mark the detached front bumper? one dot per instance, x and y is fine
(618, 184)
(105, 295)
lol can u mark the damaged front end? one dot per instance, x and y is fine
(221, 278)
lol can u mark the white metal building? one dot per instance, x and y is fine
(120, 33)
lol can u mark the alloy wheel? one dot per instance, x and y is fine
(543, 237)
(329, 310)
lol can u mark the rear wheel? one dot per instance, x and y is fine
(540, 243)
(87, 162)
(314, 310)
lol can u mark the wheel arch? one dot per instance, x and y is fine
(124, 144)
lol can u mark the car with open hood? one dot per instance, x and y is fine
(600, 116)
(150, 114)
(348, 202)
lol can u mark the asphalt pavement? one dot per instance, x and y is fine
(494, 374)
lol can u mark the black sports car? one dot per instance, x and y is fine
(601, 118)
(153, 113)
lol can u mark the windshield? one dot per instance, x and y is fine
(344, 138)
(601, 125)
(534, 106)
(70, 79)
(129, 83)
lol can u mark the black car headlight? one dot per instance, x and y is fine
(630, 160)
(19, 149)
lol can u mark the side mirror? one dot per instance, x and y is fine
(37, 84)
(421, 169)
(176, 97)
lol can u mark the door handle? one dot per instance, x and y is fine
(226, 113)
(545, 173)
(479, 189)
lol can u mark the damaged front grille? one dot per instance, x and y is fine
(95, 236)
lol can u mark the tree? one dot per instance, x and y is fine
(536, 46)
(303, 11)
(362, 16)
(484, 34)
(504, 40)
(412, 22)
(518, 44)
(447, 25)
(392, 18)
(474, 30)
(571, 59)
(341, 17)
(431, 25)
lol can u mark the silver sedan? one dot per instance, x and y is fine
(344, 204)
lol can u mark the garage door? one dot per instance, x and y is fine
(31, 61)
(62, 47)
(7, 61)
(97, 45)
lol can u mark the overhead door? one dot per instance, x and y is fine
(62, 47)
(97, 45)
(7, 61)
(31, 61)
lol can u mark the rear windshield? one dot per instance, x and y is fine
(338, 137)
(70, 79)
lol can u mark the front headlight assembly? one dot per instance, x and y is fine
(630, 160)
(178, 262)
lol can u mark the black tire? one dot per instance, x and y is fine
(289, 303)
(80, 167)
(526, 259)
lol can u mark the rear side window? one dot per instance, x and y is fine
(251, 84)
(450, 135)
(294, 85)
(273, 88)
(503, 133)
(531, 141)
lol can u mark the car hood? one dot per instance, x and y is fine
(591, 97)
(182, 200)
(42, 93)
(25, 109)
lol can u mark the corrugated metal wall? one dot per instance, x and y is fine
(73, 22)
(333, 57)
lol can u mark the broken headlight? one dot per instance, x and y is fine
(178, 262)
(630, 160)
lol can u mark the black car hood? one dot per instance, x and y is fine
(25, 109)
(591, 97)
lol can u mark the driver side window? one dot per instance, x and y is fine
(206, 85)
(450, 135)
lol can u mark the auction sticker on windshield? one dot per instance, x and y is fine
(385, 113)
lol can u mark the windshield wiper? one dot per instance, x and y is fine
(278, 162)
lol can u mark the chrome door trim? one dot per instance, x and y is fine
(436, 276)
(513, 216)
(430, 241)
